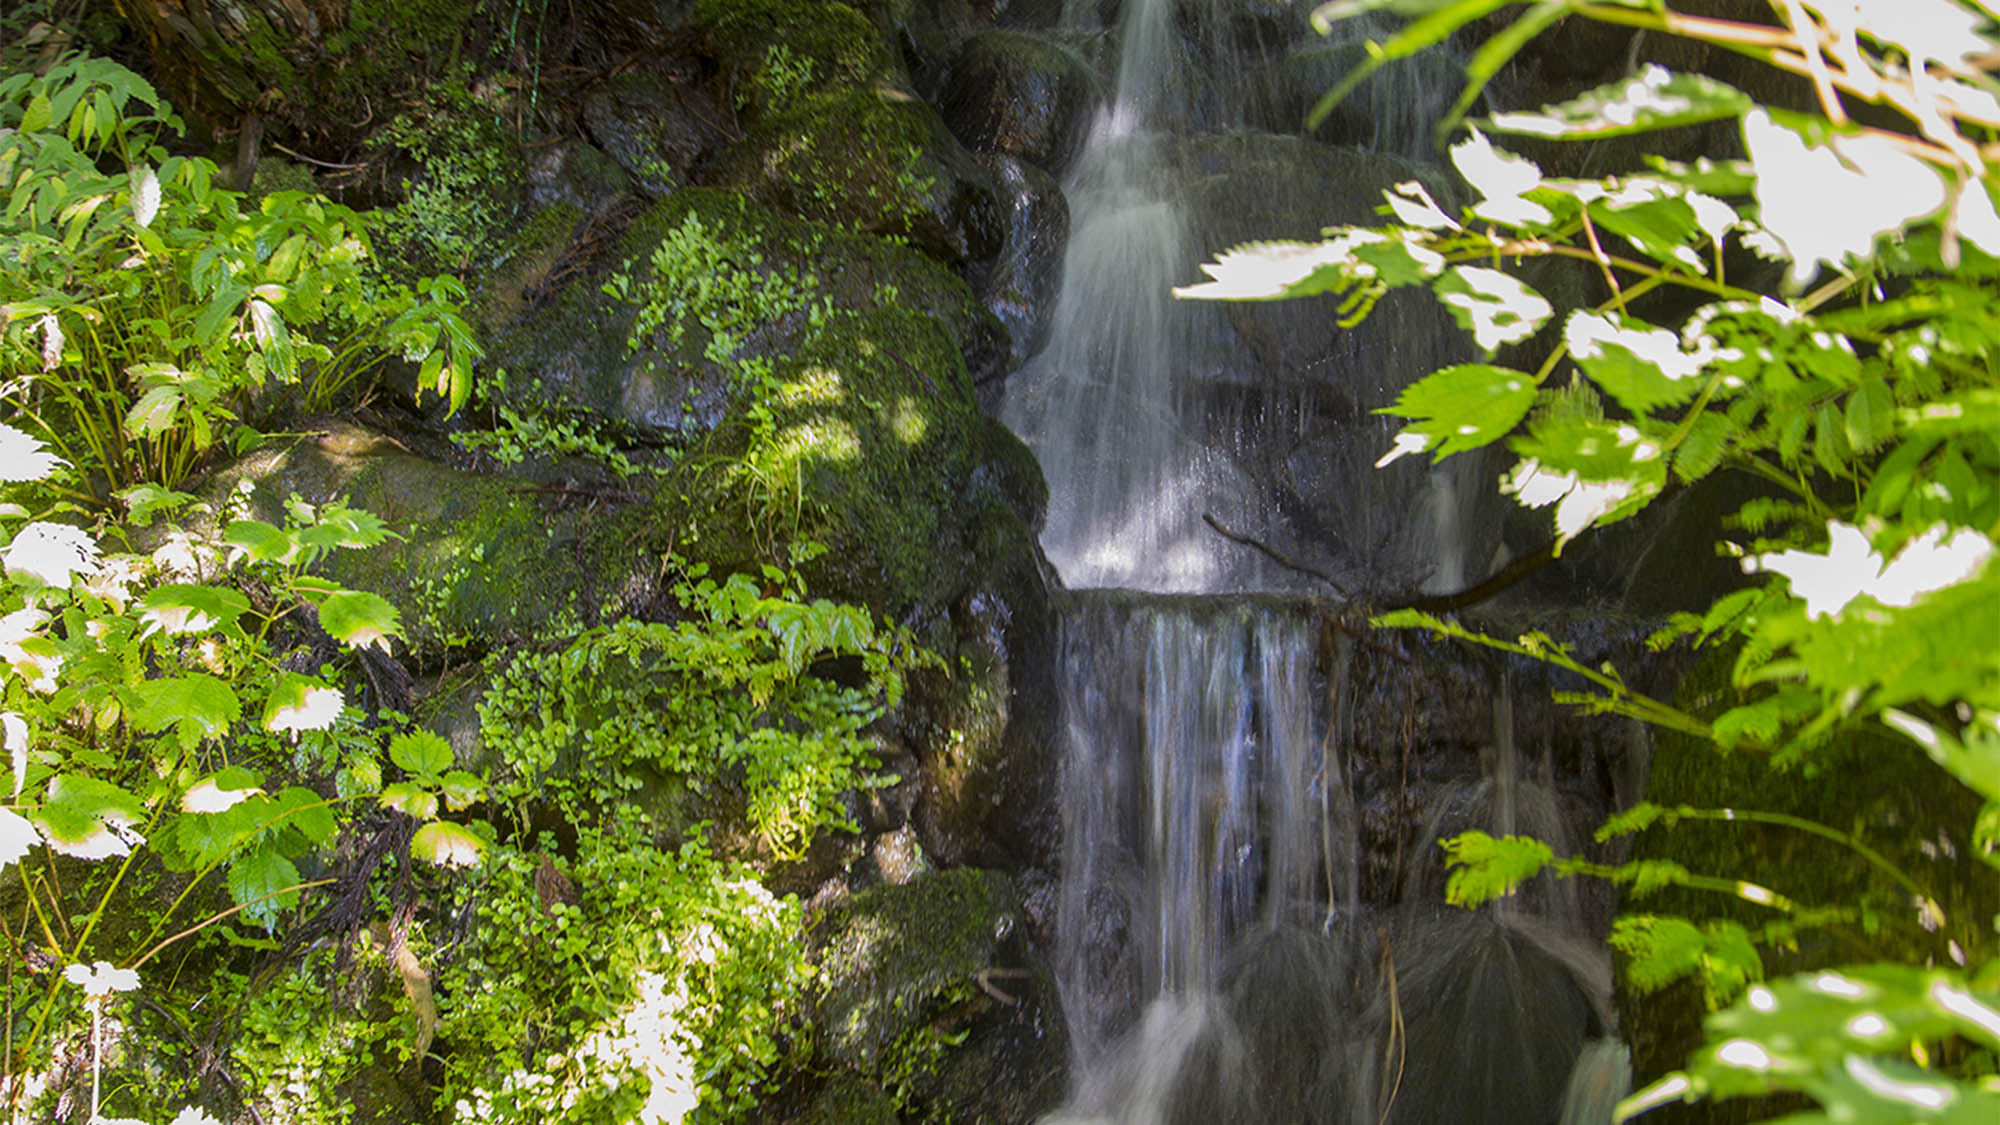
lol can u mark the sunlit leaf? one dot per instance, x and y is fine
(198, 705)
(1464, 407)
(447, 845)
(1652, 99)
(301, 703)
(410, 799)
(1484, 867)
(359, 619)
(178, 608)
(260, 880)
(1496, 307)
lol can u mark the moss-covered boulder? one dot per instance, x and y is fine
(873, 159)
(814, 381)
(894, 958)
(779, 51)
(658, 130)
(479, 559)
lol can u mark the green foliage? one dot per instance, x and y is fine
(1859, 386)
(726, 700)
(464, 194)
(664, 979)
(147, 308)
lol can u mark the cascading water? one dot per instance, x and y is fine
(1208, 467)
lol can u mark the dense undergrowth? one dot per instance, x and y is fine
(223, 834)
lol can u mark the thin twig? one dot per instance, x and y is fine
(1273, 554)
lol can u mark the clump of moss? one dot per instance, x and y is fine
(783, 50)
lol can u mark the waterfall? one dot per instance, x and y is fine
(1211, 487)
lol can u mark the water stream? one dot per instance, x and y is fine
(1216, 957)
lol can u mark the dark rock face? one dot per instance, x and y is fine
(870, 160)
(577, 174)
(942, 957)
(1019, 285)
(659, 131)
(1015, 93)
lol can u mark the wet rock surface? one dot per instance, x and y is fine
(1018, 94)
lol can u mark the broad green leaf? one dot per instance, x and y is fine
(1662, 227)
(259, 541)
(1640, 366)
(421, 752)
(301, 703)
(39, 113)
(1652, 99)
(305, 812)
(359, 619)
(447, 845)
(1463, 407)
(87, 818)
(261, 880)
(198, 705)
(178, 608)
(1870, 415)
(155, 412)
(461, 790)
(220, 311)
(411, 799)
(1494, 306)
(220, 791)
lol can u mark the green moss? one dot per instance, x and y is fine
(860, 158)
(782, 50)
(851, 421)
(521, 264)
(895, 958)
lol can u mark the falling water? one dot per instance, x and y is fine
(1210, 484)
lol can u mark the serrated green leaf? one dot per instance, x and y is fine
(1497, 308)
(88, 818)
(197, 705)
(1870, 414)
(301, 703)
(305, 812)
(1652, 99)
(421, 752)
(260, 880)
(1635, 819)
(447, 845)
(178, 608)
(1640, 366)
(410, 799)
(461, 790)
(259, 541)
(359, 619)
(1484, 868)
(1706, 444)
(1463, 407)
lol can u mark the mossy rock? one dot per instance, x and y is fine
(523, 264)
(781, 50)
(847, 1099)
(657, 129)
(871, 159)
(895, 957)
(814, 381)
(480, 560)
